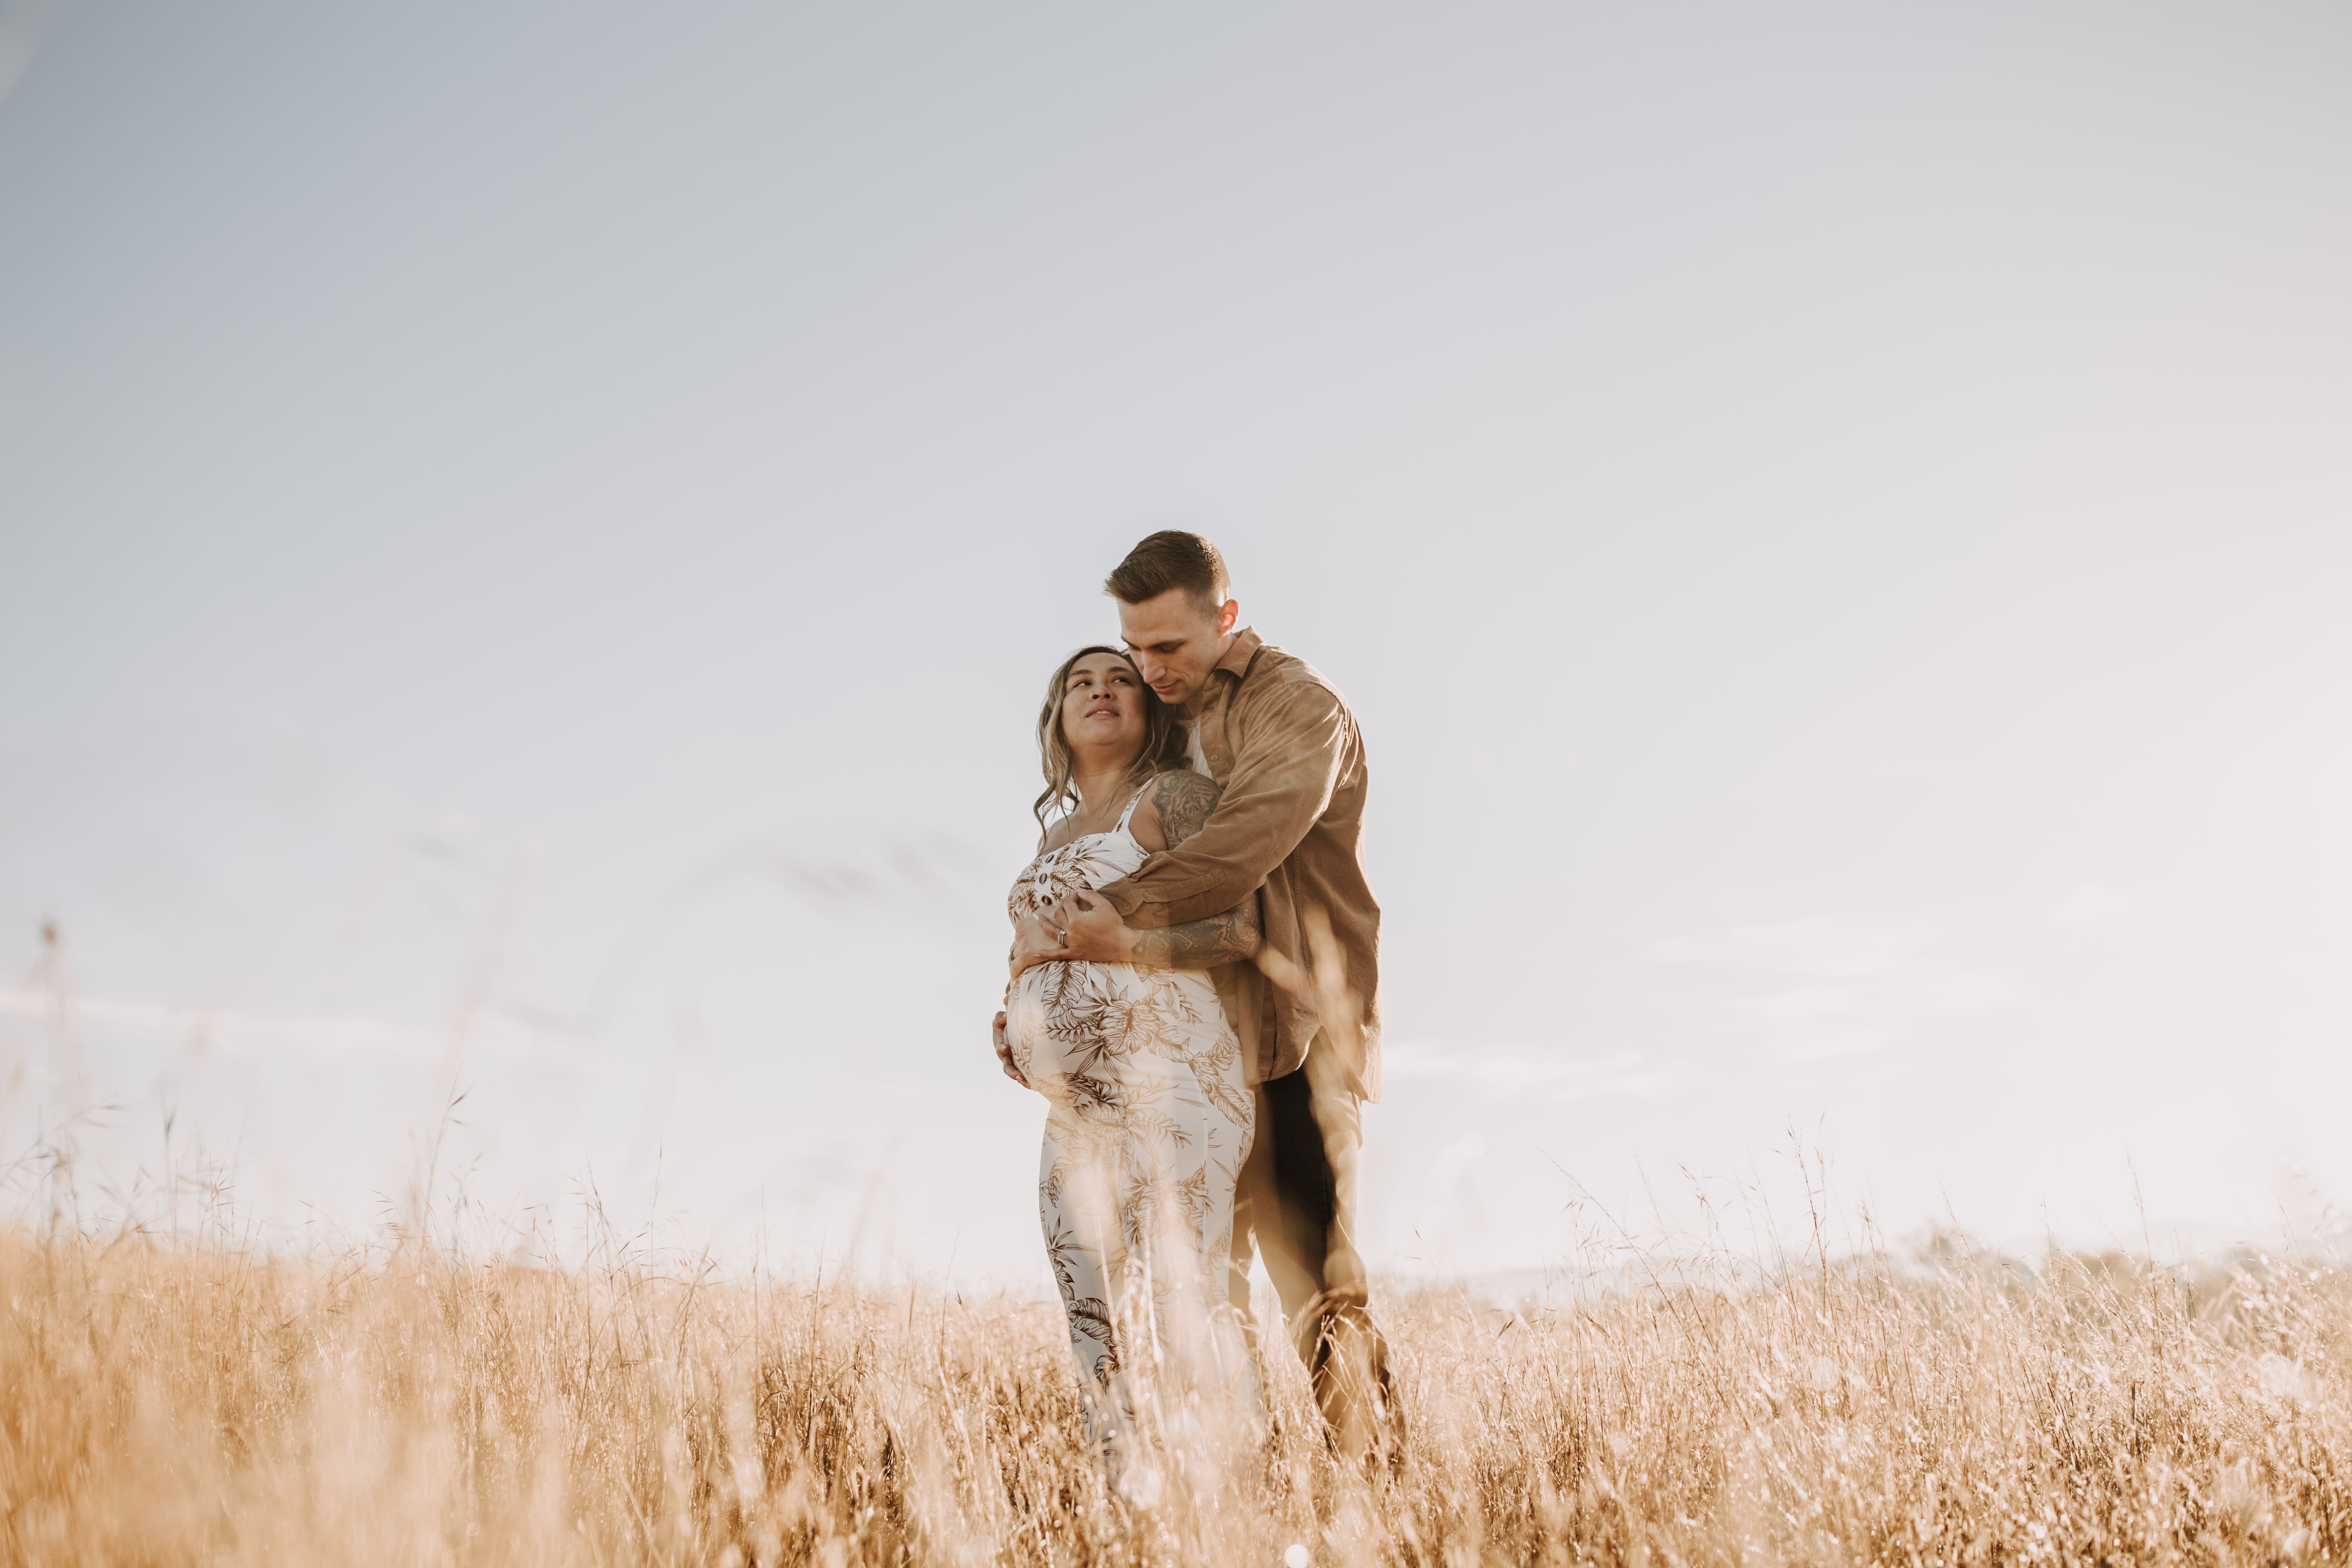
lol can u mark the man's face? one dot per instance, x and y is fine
(1176, 640)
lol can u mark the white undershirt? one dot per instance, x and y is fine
(1192, 752)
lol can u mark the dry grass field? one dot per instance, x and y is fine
(195, 1403)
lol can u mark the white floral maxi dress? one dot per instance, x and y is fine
(1150, 1122)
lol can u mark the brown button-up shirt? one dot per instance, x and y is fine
(1289, 829)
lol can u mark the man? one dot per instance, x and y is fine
(1288, 830)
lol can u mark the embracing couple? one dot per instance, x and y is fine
(1195, 992)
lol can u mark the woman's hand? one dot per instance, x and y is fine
(1005, 1051)
(1037, 941)
(1082, 928)
(1092, 930)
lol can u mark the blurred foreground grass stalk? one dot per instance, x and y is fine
(189, 1404)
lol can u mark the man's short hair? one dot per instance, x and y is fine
(1170, 559)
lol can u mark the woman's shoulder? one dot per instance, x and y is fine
(1178, 801)
(1179, 787)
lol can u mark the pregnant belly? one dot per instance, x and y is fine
(1054, 1021)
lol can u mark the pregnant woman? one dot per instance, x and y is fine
(1149, 1116)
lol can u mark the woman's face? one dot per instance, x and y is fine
(1102, 707)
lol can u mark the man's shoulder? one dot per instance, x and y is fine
(1278, 673)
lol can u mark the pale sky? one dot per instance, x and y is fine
(531, 538)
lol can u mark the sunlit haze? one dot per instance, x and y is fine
(531, 539)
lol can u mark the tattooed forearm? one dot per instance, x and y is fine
(1183, 801)
(1227, 938)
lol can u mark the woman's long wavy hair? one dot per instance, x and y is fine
(1163, 738)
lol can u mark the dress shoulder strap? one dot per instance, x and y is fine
(1125, 816)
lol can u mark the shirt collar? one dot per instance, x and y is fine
(1247, 642)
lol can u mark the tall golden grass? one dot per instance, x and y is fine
(198, 1403)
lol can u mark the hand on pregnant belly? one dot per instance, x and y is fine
(1054, 1021)
(1088, 1035)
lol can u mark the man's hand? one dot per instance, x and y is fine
(1004, 1052)
(1092, 930)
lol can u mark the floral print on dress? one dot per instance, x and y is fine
(1150, 1120)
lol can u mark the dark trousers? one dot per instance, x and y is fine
(1286, 1198)
(1287, 1210)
